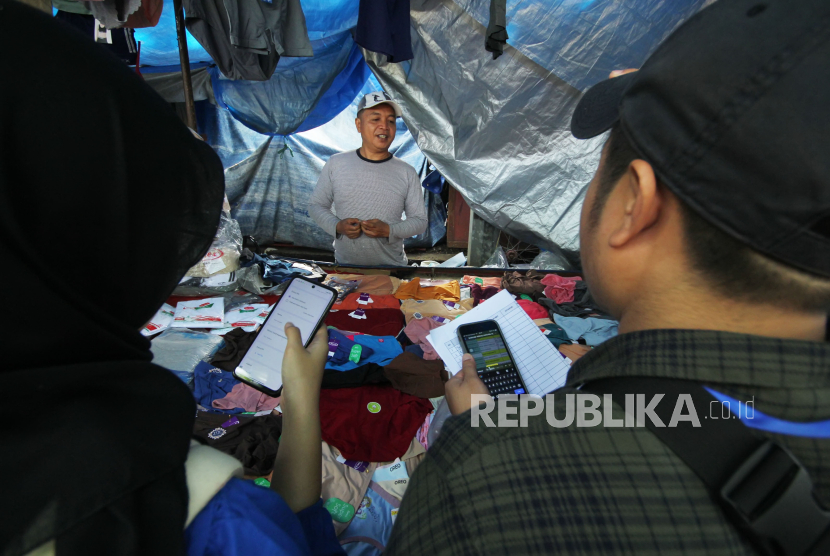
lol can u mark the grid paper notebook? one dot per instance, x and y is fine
(542, 367)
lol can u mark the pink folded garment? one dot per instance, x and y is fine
(247, 398)
(560, 288)
(417, 330)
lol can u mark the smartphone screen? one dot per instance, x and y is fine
(305, 304)
(484, 341)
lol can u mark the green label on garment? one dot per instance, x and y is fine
(354, 355)
(263, 482)
(525, 296)
(340, 511)
(479, 281)
(373, 407)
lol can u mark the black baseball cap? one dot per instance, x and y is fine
(733, 112)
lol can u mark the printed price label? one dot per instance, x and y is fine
(360, 466)
(333, 347)
(230, 422)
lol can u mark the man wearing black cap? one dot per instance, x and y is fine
(706, 232)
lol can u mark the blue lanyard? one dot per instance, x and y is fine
(755, 419)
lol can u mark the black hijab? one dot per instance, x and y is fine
(105, 200)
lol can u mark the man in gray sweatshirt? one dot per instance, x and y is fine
(361, 195)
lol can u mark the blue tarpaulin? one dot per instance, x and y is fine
(320, 87)
(269, 185)
(324, 18)
(497, 129)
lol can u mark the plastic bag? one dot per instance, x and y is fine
(180, 350)
(459, 259)
(258, 318)
(251, 280)
(218, 283)
(200, 313)
(239, 299)
(497, 260)
(160, 322)
(343, 287)
(224, 253)
(245, 316)
(550, 260)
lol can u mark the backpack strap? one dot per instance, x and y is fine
(761, 486)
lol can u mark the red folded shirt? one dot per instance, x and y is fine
(378, 302)
(533, 309)
(371, 423)
(378, 322)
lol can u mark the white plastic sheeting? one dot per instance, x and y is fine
(499, 130)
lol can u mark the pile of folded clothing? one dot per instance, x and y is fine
(383, 380)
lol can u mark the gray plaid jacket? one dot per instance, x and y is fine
(544, 490)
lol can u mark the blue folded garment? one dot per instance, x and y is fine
(279, 271)
(593, 331)
(211, 383)
(340, 349)
(384, 350)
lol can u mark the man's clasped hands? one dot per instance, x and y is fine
(353, 227)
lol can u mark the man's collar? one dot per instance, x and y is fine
(374, 161)
(708, 356)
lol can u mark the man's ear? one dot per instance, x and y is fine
(641, 202)
(357, 124)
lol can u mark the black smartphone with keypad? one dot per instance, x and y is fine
(494, 363)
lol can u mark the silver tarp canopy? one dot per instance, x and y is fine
(499, 130)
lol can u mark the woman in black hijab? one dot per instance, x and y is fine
(106, 200)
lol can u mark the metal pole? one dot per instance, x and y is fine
(484, 238)
(184, 60)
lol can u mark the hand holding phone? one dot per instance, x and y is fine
(305, 304)
(302, 367)
(493, 360)
(461, 387)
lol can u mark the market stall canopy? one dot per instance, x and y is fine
(497, 129)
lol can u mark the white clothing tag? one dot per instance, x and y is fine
(395, 471)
